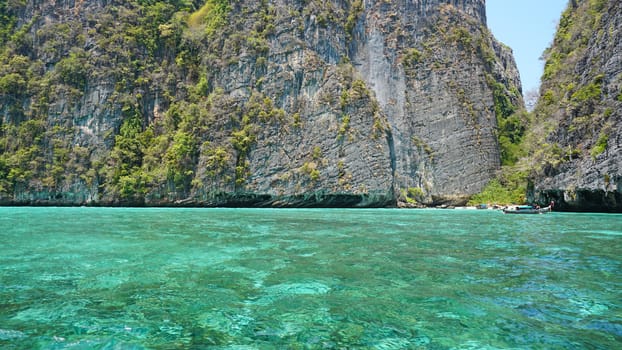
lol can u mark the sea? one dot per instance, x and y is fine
(163, 278)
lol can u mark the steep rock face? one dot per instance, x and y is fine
(432, 76)
(247, 103)
(64, 118)
(582, 105)
(309, 132)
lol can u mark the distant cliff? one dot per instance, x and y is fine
(579, 114)
(251, 103)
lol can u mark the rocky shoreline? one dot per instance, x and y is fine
(565, 201)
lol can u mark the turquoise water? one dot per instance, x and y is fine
(103, 278)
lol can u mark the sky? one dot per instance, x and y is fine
(528, 27)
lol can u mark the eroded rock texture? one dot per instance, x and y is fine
(250, 103)
(581, 109)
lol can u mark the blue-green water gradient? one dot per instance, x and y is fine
(103, 278)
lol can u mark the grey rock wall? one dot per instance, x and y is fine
(439, 104)
(588, 179)
(395, 107)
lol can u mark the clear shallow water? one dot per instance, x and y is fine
(82, 278)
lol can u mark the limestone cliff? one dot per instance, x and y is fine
(433, 69)
(262, 103)
(580, 111)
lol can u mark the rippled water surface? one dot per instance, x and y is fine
(82, 278)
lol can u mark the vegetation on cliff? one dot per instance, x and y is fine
(568, 142)
(572, 99)
(580, 111)
(47, 64)
(160, 101)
